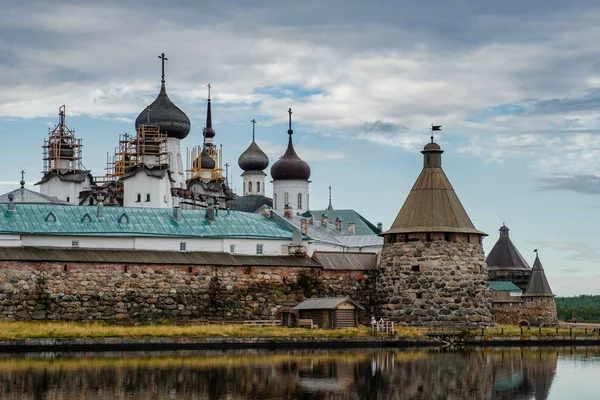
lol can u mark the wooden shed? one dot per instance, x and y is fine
(331, 312)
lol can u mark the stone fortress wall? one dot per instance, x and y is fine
(84, 291)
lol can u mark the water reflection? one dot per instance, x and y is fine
(357, 374)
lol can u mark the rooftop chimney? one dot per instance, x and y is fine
(288, 212)
(100, 211)
(338, 223)
(324, 220)
(11, 202)
(177, 213)
(311, 220)
(351, 228)
(210, 210)
(304, 226)
(380, 226)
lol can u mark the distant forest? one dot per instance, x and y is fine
(586, 308)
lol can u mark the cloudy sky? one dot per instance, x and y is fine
(515, 85)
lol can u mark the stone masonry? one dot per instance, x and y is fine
(84, 291)
(535, 311)
(439, 282)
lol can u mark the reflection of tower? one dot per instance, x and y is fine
(253, 161)
(433, 268)
(290, 178)
(506, 264)
(64, 176)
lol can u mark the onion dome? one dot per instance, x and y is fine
(253, 159)
(206, 161)
(162, 112)
(290, 165)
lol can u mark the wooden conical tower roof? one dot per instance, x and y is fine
(538, 285)
(432, 205)
(504, 254)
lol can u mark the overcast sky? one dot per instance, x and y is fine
(515, 85)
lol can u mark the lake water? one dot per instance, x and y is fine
(507, 373)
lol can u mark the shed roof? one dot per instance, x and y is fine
(538, 285)
(149, 222)
(501, 286)
(432, 206)
(346, 261)
(121, 256)
(328, 303)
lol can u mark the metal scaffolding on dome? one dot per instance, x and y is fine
(62, 150)
(194, 170)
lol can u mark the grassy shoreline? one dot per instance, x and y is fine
(100, 329)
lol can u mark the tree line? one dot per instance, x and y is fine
(586, 308)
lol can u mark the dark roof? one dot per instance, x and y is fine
(249, 203)
(69, 176)
(501, 286)
(208, 131)
(329, 303)
(346, 260)
(432, 206)
(290, 165)
(504, 254)
(538, 285)
(121, 256)
(206, 161)
(26, 196)
(253, 158)
(162, 112)
(361, 225)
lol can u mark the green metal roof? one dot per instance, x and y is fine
(361, 225)
(504, 286)
(72, 220)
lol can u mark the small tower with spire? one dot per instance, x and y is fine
(291, 177)
(433, 252)
(253, 161)
(505, 262)
(539, 306)
(63, 173)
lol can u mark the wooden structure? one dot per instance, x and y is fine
(330, 313)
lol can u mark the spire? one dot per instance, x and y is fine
(209, 132)
(330, 207)
(538, 285)
(22, 179)
(504, 231)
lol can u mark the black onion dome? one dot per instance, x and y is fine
(206, 161)
(290, 166)
(253, 159)
(172, 121)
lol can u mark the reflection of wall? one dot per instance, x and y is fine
(493, 374)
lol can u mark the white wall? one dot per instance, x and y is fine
(242, 246)
(63, 190)
(176, 162)
(143, 184)
(292, 187)
(257, 178)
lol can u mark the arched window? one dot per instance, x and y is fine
(244, 187)
(249, 187)
(286, 199)
(257, 187)
(275, 201)
(299, 200)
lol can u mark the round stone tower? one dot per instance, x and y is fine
(432, 268)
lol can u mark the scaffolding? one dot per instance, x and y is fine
(194, 169)
(62, 150)
(147, 148)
